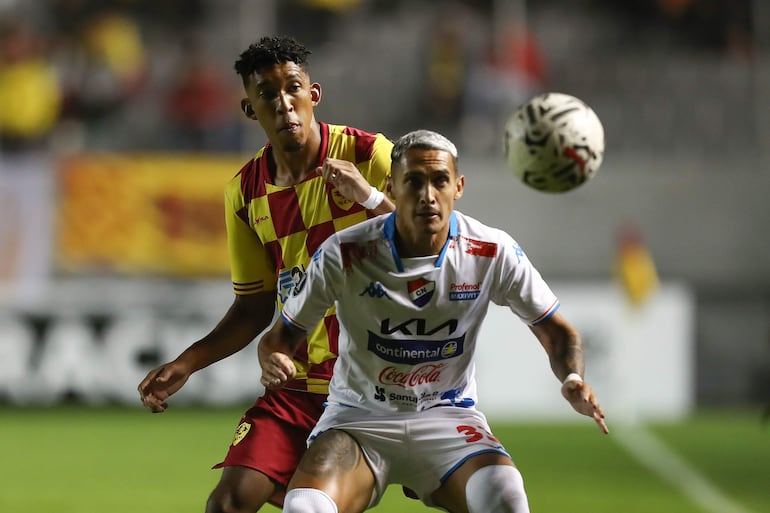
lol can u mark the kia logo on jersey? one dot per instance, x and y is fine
(420, 291)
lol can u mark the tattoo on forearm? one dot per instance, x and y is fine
(573, 356)
(569, 357)
(333, 451)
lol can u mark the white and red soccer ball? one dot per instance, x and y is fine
(554, 142)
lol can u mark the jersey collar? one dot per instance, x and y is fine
(263, 156)
(389, 231)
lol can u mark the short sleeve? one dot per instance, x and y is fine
(251, 267)
(520, 286)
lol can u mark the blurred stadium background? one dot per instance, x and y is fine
(119, 125)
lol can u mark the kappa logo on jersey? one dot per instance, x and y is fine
(374, 290)
(340, 200)
(479, 248)
(317, 255)
(420, 291)
(519, 251)
(429, 373)
(464, 291)
(415, 351)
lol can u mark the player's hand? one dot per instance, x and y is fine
(583, 399)
(346, 178)
(277, 370)
(161, 383)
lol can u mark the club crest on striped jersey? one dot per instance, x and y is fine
(340, 200)
(420, 291)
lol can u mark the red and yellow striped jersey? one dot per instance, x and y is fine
(272, 232)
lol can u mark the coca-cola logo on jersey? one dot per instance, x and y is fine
(430, 373)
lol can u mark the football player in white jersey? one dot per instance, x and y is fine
(411, 290)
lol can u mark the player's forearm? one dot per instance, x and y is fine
(566, 356)
(563, 344)
(218, 345)
(234, 332)
(282, 338)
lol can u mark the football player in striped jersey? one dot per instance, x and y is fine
(310, 180)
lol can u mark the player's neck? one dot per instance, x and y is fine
(410, 245)
(292, 167)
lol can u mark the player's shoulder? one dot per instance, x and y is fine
(364, 232)
(347, 130)
(246, 181)
(479, 239)
(468, 226)
(353, 245)
(363, 141)
(360, 238)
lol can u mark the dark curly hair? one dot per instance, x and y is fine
(268, 52)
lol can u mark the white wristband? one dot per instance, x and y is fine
(375, 198)
(572, 376)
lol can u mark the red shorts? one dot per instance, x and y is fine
(272, 435)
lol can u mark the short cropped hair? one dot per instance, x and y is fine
(269, 51)
(423, 139)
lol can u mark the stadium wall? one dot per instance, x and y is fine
(82, 347)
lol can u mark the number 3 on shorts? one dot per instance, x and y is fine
(474, 434)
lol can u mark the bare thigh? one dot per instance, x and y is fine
(335, 464)
(243, 490)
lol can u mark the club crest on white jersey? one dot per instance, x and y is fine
(420, 291)
(409, 326)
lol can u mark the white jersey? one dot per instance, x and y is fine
(408, 327)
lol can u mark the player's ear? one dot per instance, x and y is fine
(315, 93)
(460, 187)
(389, 187)
(247, 109)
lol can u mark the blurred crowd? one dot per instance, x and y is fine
(74, 73)
(78, 74)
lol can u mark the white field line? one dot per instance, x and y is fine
(654, 455)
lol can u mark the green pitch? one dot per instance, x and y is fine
(89, 460)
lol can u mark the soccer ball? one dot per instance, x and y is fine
(554, 142)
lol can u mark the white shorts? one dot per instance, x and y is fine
(419, 450)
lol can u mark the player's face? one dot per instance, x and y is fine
(425, 186)
(282, 99)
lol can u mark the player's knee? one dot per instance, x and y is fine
(496, 489)
(219, 502)
(308, 500)
(241, 490)
(229, 499)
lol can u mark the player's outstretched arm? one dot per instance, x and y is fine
(275, 351)
(564, 346)
(245, 319)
